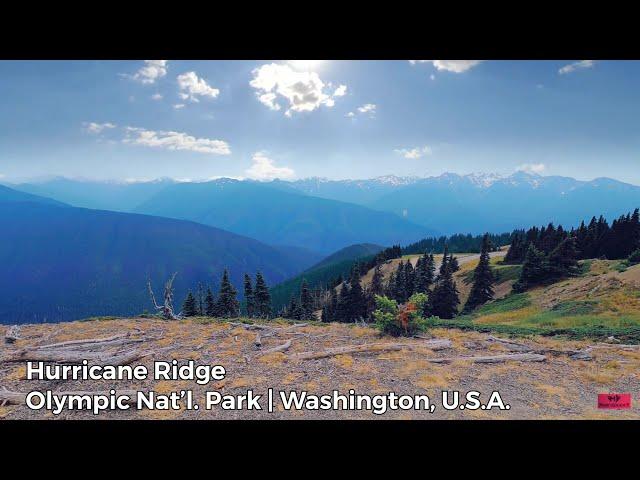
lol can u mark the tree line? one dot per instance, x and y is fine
(257, 300)
(548, 253)
(458, 243)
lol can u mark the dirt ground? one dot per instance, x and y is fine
(557, 388)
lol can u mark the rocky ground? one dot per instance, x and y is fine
(561, 386)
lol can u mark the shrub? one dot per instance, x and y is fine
(398, 321)
(634, 258)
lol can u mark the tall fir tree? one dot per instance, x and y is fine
(262, 297)
(533, 269)
(306, 301)
(443, 301)
(228, 305)
(483, 279)
(210, 304)
(248, 296)
(377, 287)
(445, 259)
(294, 311)
(563, 259)
(189, 307)
(358, 302)
(200, 296)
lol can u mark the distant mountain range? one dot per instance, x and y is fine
(476, 203)
(62, 263)
(321, 214)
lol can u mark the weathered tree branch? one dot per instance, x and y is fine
(71, 357)
(12, 334)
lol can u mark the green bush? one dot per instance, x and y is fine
(395, 320)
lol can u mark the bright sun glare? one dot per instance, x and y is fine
(305, 64)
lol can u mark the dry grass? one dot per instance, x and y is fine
(533, 390)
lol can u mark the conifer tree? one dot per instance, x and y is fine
(343, 308)
(249, 297)
(409, 280)
(210, 304)
(377, 288)
(483, 279)
(306, 301)
(228, 305)
(200, 307)
(563, 259)
(445, 259)
(189, 308)
(443, 301)
(262, 298)
(358, 302)
(294, 312)
(533, 269)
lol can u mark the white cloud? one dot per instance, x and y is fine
(151, 71)
(302, 91)
(175, 141)
(536, 168)
(340, 91)
(178, 106)
(455, 66)
(367, 108)
(572, 67)
(263, 169)
(414, 153)
(95, 128)
(156, 96)
(191, 87)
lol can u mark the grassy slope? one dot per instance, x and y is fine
(600, 302)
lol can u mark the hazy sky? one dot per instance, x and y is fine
(336, 119)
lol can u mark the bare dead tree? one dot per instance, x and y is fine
(166, 309)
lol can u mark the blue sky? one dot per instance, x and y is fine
(338, 119)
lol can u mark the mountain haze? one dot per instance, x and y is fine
(63, 263)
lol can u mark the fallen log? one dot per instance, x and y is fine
(8, 397)
(12, 334)
(511, 345)
(72, 357)
(280, 348)
(436, 344)
(512, 357)
(350, 349)
(97, 346)
(394, 347)
(83, 341)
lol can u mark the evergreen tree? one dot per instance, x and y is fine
(534, 269)
(248, 296)
(294, 312)
(443, 301)
(227, 305)
(377, 288)
(563, 259)
(343, 307)
(189, 307)
(452, 264)
(445, 260)
(409, 280)
(210, 304)
(358, 302)
(262, 298)
(483, 279)
(306, 301)
(200, 307)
